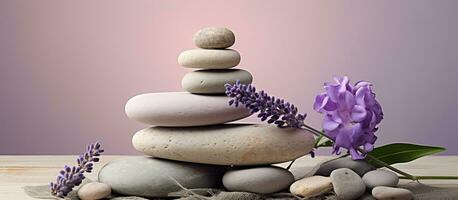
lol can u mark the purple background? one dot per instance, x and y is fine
(68, 67)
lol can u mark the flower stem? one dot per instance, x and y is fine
(405, 174)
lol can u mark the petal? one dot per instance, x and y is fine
(329, 124)
(343, 138)
(355, 155)
(332, 90)
(318, 104)
(358, 113)
(347, 101)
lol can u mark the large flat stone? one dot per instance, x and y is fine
(177, 109)
(227, 144)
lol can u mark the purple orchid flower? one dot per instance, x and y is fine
(351, 115)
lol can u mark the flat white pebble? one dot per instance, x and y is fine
(209, 58)
(390, 193)
(311, 186)
(94, 190)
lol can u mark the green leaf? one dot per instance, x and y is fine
(402, 152)
(323, 142)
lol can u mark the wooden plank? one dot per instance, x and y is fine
(19, 171)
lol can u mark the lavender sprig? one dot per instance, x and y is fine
(70, 177)
(274, 110)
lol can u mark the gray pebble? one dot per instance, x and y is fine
(347, 184)
(380, 177)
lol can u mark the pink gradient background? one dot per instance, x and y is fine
(68, 67)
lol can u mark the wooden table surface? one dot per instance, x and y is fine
(19, 171)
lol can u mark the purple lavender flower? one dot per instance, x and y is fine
(351, 115)
(274, 110)
(70, 177)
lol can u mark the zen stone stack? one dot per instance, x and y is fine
(189, 139)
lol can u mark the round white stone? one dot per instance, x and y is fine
(226, 144)
(214, 38)
(182, 109)
(212, 81)
(263, 180)
(209, 58)
(150, 177)
(311, 186)
(94, 190)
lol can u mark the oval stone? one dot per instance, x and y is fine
(214, 38)
(225, 144)
(182, 109)
(347, 184)
(263, 180)
(94, 190)
(311, 186)
(390, 193)
(212, 81)
(150, 177)
(380, 177)
(209, 58)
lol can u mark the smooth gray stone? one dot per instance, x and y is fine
(213, 81)
(390, 193)
(225, 144)
(209, 58)
(347, 184)
(151, 177)
(262, 180)
(214, 38)
(359, 166)
(179, 109)
(380, 177)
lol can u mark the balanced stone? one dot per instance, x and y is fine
(94, 190)
(263, 180)
(380, 177)
(212, 81)
(311, 186)
(151, 177)
(214, 38)
(183, 109)
(209, 58)
(347, 184)
(358, 166)
(225, 144)
(389, 193)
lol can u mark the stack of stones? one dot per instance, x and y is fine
(190, 143)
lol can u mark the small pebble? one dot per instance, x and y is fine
(311, 186)
(214, 38)
(380, 177)
(94, 190)
(390, 193)
(261, 180)
(347, 184)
